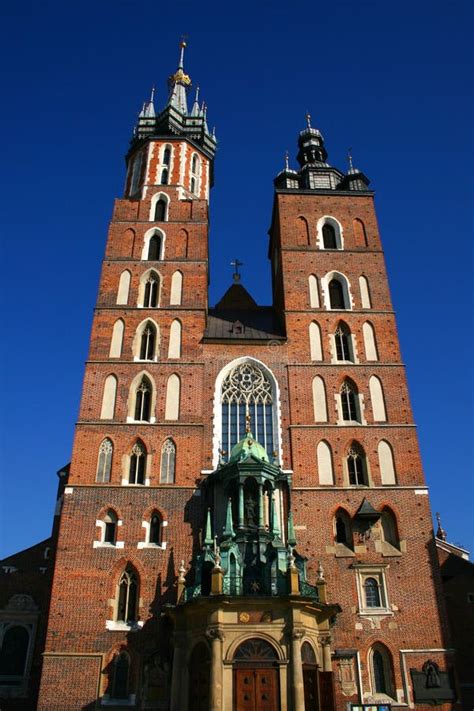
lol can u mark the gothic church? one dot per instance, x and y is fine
(245, 524)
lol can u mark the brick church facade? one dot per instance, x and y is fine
(246, 524)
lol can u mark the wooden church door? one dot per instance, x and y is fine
(256, 685)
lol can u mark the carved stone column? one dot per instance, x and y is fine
(216, 637)
(326, 645)
(297, 670)
(179, 677)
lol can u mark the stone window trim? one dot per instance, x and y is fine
(338, 229)
(146, 543)
(137, 341)
(142, 377)
(346, 288)
(352, 342)
(377, 572)
(149, 274)
(154, 200)
(100, 523)
(360, 405)
(158, 232)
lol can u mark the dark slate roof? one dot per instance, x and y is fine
(237, 317)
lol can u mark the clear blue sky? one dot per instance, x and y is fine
(391, 79)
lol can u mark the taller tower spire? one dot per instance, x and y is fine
(178, 83)
(175, 120)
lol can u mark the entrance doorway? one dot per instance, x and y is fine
(256, 686)
(199, 671)
(310, 678)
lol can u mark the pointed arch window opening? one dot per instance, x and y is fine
(357, 468)
(154, 248)
(137, 464)
(336, 295)
(167, 156)
(247, 402)
(104, 464)
(168, 462)
(164, 177)
(160, 210)
(350, 410)
(148, 343)
(342, 337)
(143, 402)
(150, 297)
(155, 530)
(329, 236)
(127, 597)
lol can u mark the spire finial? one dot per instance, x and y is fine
(349, 158)
(308, 119)
(182, 46)
(287, 158)
(152, 96)
(440, 533)
(236, 264)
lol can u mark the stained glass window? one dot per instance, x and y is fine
(247, 393)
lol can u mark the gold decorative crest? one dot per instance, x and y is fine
(181, 78)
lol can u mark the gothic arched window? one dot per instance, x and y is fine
(104, 463)
(137, 464)
(357, 466)
(150, 295)
(164, 177)
(166, 156)
(336, 294)
(127, 603)
(343, 341)
(381, 670)
(349, 403)
(143, 401)
(160, 210)
(148, 342)
(155, 530)
(329, 236)
(154, 248)
(247, 392)
(168, 462)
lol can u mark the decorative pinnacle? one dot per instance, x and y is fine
(181, 571)
(308, 119)
(152, 94)
(287, 164)
(320, 573)
(440, 533)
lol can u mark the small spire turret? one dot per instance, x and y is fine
(440, 533)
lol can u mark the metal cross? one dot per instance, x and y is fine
(236, 264)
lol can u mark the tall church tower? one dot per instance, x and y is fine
(246, 524)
